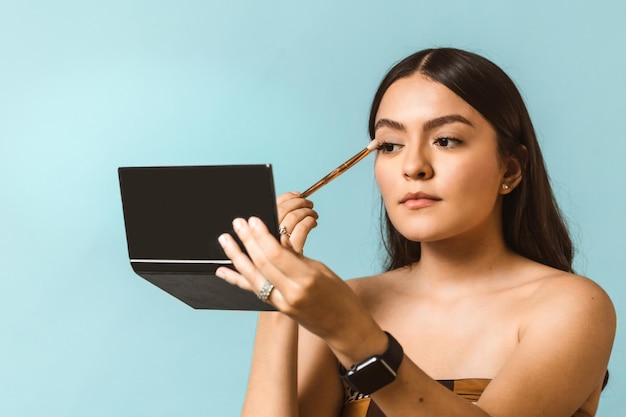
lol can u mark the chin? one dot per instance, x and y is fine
(421, 236)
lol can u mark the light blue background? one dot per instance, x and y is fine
(87, 86)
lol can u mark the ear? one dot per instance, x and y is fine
(514, 167)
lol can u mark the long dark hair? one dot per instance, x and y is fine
(532, 223)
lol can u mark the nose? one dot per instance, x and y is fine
(417, 164)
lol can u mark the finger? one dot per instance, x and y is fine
(258, 264)
(287, 196)
(268, 255)
(286, 242)
(293, 217)
(251, 279)
(246, 276)
(301, 232)
(296, 218)
(297, 225)
(233, 277)
(289, 202)
(292, 220)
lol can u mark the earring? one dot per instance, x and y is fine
(505, 186)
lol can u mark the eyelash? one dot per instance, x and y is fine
(383, 147)
(454, 141)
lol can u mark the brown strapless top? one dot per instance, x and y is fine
(359, 405)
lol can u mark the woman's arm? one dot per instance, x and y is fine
(320, 392)
(562, 354)
(273, 385)
(290, 375)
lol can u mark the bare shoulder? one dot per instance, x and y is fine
(564, 341)
(573, 295)
(376, 290)
(370, 284)
(574, 308)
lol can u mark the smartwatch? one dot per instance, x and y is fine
(374, 373)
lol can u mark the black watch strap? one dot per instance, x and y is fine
(374, 373)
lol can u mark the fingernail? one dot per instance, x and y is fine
(238, 224)
(223, 239)
(253, 221)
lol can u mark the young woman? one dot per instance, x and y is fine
(478, 313)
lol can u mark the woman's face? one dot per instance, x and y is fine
(438, 170)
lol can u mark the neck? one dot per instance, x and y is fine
(463, 263)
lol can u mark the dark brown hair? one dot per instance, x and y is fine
(532, 223)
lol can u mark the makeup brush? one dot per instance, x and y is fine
(341, 169)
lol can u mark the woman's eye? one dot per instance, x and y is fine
(447, 143)
(387, 147)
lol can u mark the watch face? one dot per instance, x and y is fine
(370, 376)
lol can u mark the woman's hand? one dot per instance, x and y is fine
(297, 218)
(304, 289)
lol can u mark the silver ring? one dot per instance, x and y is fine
(265, 291)
(283, 231)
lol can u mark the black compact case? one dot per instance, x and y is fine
(173, 216)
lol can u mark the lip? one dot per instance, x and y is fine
(418, 200)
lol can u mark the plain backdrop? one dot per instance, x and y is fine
(88, 86)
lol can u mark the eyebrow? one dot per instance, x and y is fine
(429, 125)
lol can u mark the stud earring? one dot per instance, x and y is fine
(505, 186)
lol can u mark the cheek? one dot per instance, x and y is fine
(480, 177)
(383, 178)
